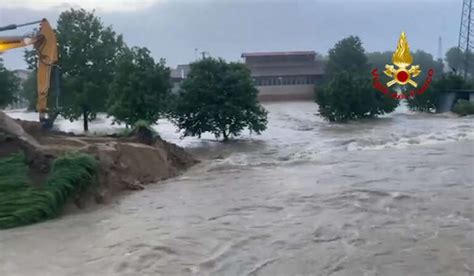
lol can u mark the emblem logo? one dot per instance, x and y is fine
(402, 72)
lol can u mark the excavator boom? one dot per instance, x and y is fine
(47, 58)
(12, 42)
(45, 44)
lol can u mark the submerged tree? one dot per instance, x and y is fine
(427, 101)
(88, 52)
(220, 98)
(349, 94)
(140, 88)
(349, 97)
(347, 55)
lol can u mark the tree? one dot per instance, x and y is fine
(349, 97)
(9, 85)
(29, 91)
(347, 55)
(425, 60)
(428, 100)
(140, 88)
(220, 98)
(379, 59)
(31, 58)
(349, 93)
(88, 51)
(457, 59)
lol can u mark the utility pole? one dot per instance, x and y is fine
(440, 48)
(466, 33)
(204, 53)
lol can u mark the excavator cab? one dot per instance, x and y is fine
(45, 43)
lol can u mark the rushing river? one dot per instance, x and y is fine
(391, 196)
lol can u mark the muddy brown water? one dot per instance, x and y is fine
(392, 196)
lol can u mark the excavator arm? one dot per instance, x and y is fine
(45, 44)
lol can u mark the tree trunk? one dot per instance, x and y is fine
(86, 122)
(226, 136)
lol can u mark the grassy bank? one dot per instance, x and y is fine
(22, 204)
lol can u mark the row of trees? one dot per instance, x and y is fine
(100, 73)
(9, 85)
(348, 94)
(88, 53)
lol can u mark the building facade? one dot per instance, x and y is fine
(285, 75)
(178, 75)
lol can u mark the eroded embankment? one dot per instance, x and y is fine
(121, 164)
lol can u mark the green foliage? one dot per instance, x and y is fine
(425, 60)
(348, 55)
(140, 88)
(9, 86)
(31, 58)
(349, 97)
(464, 107)
(379, 59)
(425, 102)
(29, 91)
(22, 204)
(142, 123)
(428, 100)
(88, 50)
(349, 94)
(130, 131)
(457, 58)
(124, 132)
(220, 98)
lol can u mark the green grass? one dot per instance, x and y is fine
(22, 204)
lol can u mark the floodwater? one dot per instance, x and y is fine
(391, 196)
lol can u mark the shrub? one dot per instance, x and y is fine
(463, 108)
(427, 101)
(349, 97)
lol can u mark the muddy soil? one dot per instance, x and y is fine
(125, 164)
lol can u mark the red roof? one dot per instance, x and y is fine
(292, 53)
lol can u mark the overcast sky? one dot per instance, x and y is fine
(226, 28)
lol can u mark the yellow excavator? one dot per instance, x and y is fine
(45, 43)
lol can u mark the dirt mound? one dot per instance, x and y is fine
(14, 138)
(124, 163)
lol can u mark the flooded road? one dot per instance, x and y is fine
(391, 196)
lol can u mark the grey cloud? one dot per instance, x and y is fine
(227, 28)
